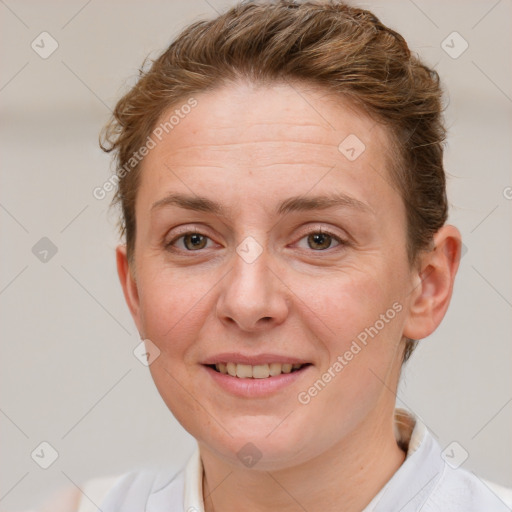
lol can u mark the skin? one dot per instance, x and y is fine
(298, 297)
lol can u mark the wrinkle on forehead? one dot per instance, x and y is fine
(245, 124)
(302, 108)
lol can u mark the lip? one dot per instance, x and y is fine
(253, 360)
(256, 388)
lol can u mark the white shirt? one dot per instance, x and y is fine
(427, 481)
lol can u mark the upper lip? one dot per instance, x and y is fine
(253, 360)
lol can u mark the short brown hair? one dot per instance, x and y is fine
(344, 49)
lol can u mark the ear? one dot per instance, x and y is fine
(433, 284)
(129, 285)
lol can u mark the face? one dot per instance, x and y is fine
(261, 242)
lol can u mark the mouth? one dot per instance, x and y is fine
(259, 371)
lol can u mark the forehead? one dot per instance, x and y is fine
(249, 111)
(295, 129)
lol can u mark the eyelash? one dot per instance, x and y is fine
(341, 242)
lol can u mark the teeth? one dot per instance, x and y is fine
(275, 369)
(231, 367)
(259, 371)
(244, 371)
(287, 368)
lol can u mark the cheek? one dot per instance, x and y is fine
(340, 306)
(358, 318)
(173, 308)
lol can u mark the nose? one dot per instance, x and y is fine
(253, 297)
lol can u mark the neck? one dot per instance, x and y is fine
(350, 474)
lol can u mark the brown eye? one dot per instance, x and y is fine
(194, 241)
(319, 241)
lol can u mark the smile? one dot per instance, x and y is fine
(259, 371)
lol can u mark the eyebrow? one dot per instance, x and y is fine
(292, 204)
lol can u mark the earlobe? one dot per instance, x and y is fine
(433, 284)
(128, 283)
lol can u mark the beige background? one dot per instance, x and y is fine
(68, 374)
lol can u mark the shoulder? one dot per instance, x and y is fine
(459, 489)
(504, 493)
(136, 488)
(82, 498)
(428, 482)
(69, 499)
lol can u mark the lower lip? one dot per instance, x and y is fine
(251, 388)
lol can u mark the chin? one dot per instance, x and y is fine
(255, 442)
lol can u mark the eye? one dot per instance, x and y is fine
(192, 241)
(320, 240)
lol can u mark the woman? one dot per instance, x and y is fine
(280, 175)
